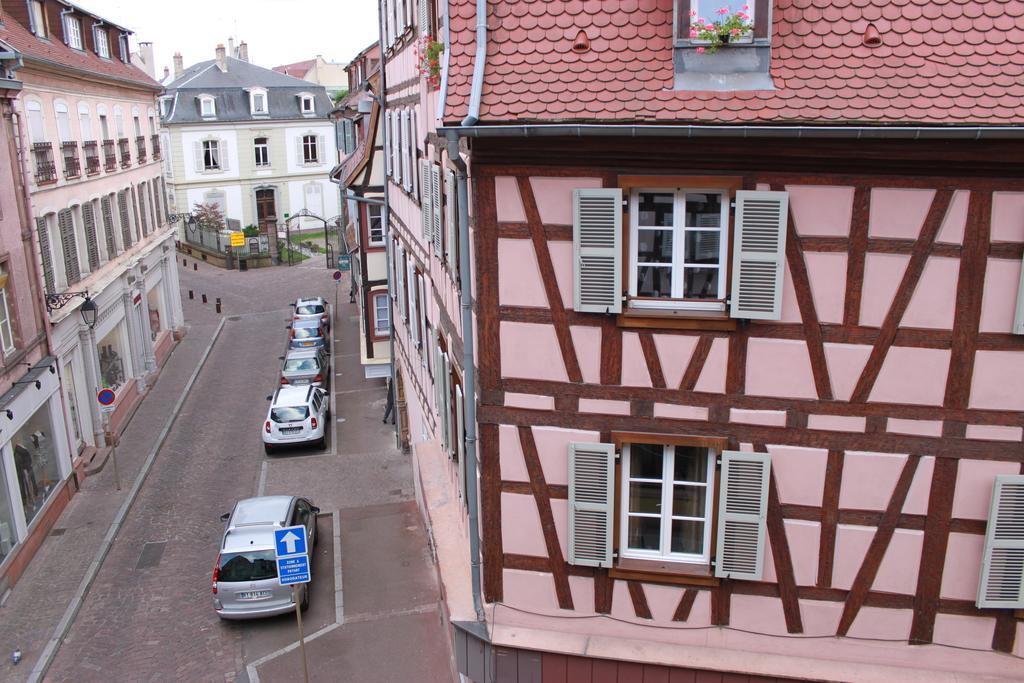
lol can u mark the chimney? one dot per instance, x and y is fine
(231, 47)
(148, 62)
(243, 51)
(222, 58)
(179, 65)
(167, 72)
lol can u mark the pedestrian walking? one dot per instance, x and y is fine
(389, 409)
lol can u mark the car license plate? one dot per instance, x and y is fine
(301, 381)
(307, 343)
(254, 595)
(290, 430)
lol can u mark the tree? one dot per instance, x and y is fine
(209, 216)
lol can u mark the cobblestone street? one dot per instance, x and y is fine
(148, 615)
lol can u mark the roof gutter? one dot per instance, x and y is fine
(478, 66)
(471, 130)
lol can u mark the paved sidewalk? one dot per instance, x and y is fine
(38, 601)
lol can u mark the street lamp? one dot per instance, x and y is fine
(88, 310)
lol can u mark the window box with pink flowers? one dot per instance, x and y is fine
(709, 25)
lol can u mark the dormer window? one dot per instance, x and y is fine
(207, 107)
(306, 104)
(692, 14)
(102, 43)
(73, 32)
(258, 102)
(164, 103)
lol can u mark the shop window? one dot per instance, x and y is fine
(8, 532)
(35, 462)
(153, 301)
(111, 352)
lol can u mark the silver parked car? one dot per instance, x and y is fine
(313, 308)
(245, 584)
(308, 334)
(297, 416)
(304, 367)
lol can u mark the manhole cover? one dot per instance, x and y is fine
(235, 318)
(151, 555)
(57, 532)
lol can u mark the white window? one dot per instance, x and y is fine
(38, 19)
(102, 43)
(375, 229)
(138, 124)
(119, 122)
(310, 150)
(678, 248)
(307, 104)
(207, 107)
(73, 29)
(262, 149)
(381, 315)
(63, 121)
(104, 126)
(164, 104)
(6, 333)
(85, 121)
(36, 131)
(258, 102)
(211, 155)
(667, 496)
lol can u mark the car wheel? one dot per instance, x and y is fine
(304, 605)
(321, 443)
(268, 449)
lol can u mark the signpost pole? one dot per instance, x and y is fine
(302, 639)
(113, 457)
(106, 397)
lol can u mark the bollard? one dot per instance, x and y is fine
(204, 298)
(191, 294)
(195, 266)
(218, 304)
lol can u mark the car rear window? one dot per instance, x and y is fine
(307, 332)
(309, 309)
(300, 364)
(289, 414)
(256, 565)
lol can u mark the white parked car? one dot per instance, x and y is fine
(297, 415)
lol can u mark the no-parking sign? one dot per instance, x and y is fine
(106, 398)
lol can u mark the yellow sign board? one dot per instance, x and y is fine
(237, 239)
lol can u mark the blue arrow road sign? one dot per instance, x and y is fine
(290, 540)
(293, 569)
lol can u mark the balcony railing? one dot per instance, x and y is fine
(126, 152)
(140, 146)
(109, 157)
(155, 141)
(46, 170)
(92, 157)
(72, 164)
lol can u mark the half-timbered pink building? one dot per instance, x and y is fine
(711, 360)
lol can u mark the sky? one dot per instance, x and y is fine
(277, 31)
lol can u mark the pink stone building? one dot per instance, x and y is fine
(711, 358)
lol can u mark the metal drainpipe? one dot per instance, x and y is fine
(469, 370)
(478, 65)
(386, 218)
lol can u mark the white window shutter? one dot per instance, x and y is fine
(591, 503)
(1018, 318)
(400, 276)
(435, 205)
(424, 17)
(388, 143)
(759, 255)
(404, 152)
(436, 350)
(395, 152)
(1002, 564)
(421, 280)
(413, 149)
(222, 155)
(460, 441)
(301, 153)
(197, 147)
(449, 217)
(414, 308)
(428, 214)
(742, 512)
(321, 155)
(597, 250)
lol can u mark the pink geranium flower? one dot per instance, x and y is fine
(693, 33)
(693, 13)
(700, 50)
(723, 11)
(736, 31)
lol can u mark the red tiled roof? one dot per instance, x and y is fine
(55, 51)
(298, 69)
(940, 62)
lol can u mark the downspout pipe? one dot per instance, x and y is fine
(386, 217)
(478, 65)
(469, 370)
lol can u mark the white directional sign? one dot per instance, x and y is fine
(291, 553)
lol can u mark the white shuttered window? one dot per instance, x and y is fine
(742, 511)
(404, 151)
(1002, 565)
(597, 250)
(1018, 318)
(759, 254)
(435, 205)
(426, 201)
(591, 503)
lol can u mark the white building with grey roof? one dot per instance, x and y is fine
(254, 142)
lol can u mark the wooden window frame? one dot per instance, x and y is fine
(371, 297)
(665, 571)
(676, 318)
